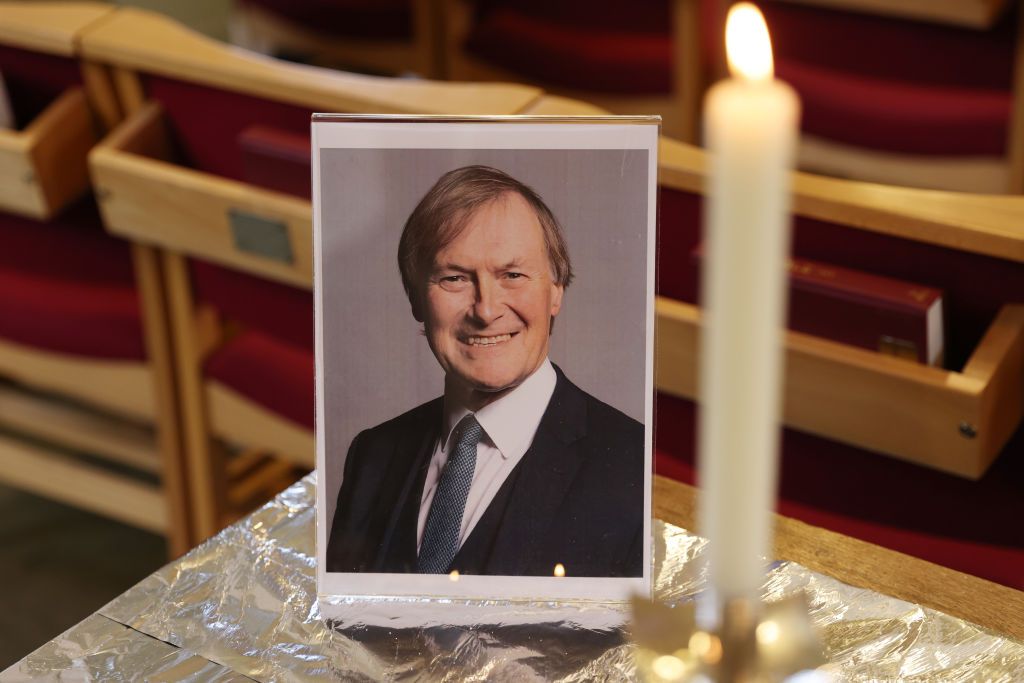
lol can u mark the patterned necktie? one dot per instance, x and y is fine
(444, 521)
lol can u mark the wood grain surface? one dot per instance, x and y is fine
(51, 27)
(969, 13)
(144, 41)
(866, 565)
(978, 223)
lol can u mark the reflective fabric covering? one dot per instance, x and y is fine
(245, 602)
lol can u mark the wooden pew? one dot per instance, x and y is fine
(983, 391)
(351, 38)
(967, 133)
(883, 404)
(84, 348)
(160, 184)
(679, 105)
(868, 566)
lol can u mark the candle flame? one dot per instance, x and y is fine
(747, 45)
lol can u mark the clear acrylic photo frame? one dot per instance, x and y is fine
(399, 600)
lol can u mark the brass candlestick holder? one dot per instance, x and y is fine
(754, 642)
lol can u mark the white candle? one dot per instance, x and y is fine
(751, 123)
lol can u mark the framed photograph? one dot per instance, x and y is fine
(484, 359)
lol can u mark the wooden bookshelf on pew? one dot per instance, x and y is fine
(955, 421)
(73, 399)
(194, 212)
(834, 468)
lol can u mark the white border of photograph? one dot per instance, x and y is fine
(540, 133)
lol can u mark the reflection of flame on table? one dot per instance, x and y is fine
(670, 646)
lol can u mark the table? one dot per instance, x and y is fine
(242, 606)
(866, 565)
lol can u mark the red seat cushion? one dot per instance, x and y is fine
(969, 526)
(269, 372)
(879, 82)
(641, 16)
(211, 143)
(279, 310)
(605, 58)
(888, 48)
(371, 19)
(67, 286)
(72, 246)
(902, 117)
(680, 230)
(79, 317)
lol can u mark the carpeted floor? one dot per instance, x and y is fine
(58, 565)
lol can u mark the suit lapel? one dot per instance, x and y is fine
(541, 481)
(409, 465)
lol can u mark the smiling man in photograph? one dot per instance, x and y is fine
(514, 470)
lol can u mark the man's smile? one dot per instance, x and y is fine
(488, 340)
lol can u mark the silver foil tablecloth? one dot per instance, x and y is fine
(244, 604)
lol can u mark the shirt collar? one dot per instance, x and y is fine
(510, 422)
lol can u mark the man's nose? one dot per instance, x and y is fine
(487, 307)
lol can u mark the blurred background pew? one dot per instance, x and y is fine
(212, 165)
(87, 399)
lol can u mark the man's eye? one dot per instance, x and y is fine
(453, 283)
(515, 276)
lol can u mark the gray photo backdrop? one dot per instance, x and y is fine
(376, 360)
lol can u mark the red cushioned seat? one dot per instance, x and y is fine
(905, 117)
(79, 317)
(972, 527)
(278, 310)
(268, 371)
(380, 19)
(72, 246)
(67, 286)
(211, 143)
(603, 47)
(271, 362)
(884, 47)
(885, 83)
(672, 466)
(217, 145)
(865, 80)
(898, 85)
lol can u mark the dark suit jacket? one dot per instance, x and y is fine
(576, 497)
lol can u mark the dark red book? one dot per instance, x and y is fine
(276, 159)
(6, 110)
(883, 314)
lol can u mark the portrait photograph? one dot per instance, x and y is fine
(484, 361)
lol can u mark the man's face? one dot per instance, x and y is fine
(490, 299)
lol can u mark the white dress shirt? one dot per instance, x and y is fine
(509, 425)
